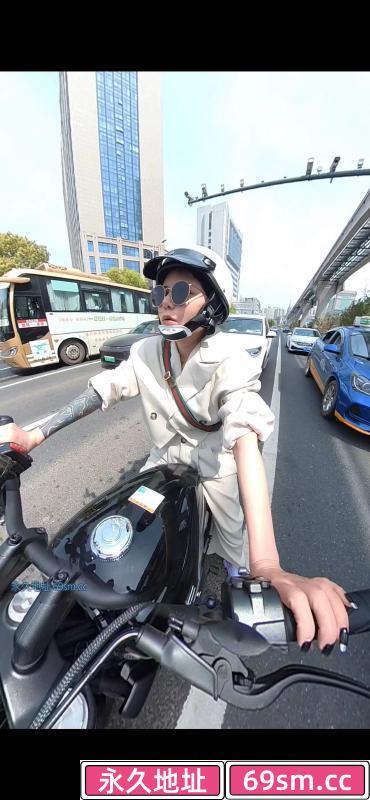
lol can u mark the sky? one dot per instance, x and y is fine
(218, 127)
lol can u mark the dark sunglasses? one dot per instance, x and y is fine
(179, 293)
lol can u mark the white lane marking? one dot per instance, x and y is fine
(199, 709)
(301, 363)
(270, 448)
(45, 375)
(38, 422)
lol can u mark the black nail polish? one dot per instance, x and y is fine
(343, 640)
(305, 647)
(328, 649)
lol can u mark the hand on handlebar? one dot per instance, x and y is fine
(27, 439)
(311, 599)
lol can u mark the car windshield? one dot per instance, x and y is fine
(243, 325)
(146, 327)
(360, 344)
(305, 332)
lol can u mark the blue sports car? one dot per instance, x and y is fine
(340, 365)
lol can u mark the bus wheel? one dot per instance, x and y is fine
(72, 352)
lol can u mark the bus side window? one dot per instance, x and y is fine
(143, 303)
(63, 295)
(122, 301)
(96, 301)
(127, 300)
(28, 307)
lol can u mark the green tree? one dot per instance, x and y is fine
(232, 309)
(272, 323)
(128, 277)
(359, 309)
(20, 253)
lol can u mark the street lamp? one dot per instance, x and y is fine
(309, 166)
(360, 163)
(204, 190)
(334, 165)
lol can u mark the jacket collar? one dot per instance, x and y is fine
(211, 350)
(215, 348)
(192, 378)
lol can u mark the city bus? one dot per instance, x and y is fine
(51, 314)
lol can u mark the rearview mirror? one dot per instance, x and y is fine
(332, 348)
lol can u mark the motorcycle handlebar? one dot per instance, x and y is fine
(97, 594)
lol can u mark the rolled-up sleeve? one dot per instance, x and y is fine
(241, 408)
(116, 384)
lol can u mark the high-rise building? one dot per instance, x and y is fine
(340, 302)
(279, 314)
(272, 312)
(112, 167)
(248, 305)
(217, 230)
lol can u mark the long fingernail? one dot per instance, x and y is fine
(353, 605)
(328, 649)
(305, 647)
(343, 640)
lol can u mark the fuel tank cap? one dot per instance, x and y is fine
(111, 538)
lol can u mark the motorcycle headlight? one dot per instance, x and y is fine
(254, 351)
(9, 353)
(361, 384)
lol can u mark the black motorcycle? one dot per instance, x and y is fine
(123, 593)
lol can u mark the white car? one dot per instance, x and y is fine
(253, 334)
(301, 340)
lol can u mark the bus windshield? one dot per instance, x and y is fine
(6, 328)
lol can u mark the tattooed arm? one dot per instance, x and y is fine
(104, 390)
(81, 406)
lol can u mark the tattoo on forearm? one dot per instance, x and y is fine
(81, 406)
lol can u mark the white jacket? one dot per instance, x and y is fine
(218, 382)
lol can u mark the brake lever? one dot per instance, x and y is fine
(213, 656)
(253, 694)
(232, 643)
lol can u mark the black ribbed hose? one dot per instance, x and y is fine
(82, 661)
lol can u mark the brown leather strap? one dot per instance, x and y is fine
(177, 396)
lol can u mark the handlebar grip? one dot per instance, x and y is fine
(4, 420)
(13, 508)
(359, 618)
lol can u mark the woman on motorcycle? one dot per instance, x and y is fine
(217, 433)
